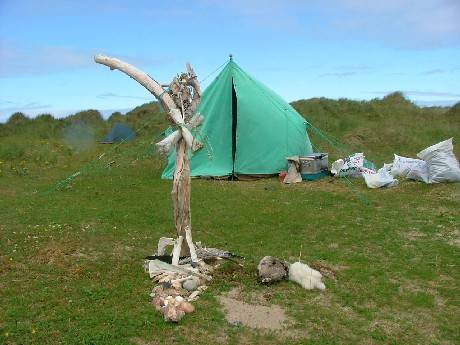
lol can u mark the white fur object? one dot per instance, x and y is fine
(306, 276)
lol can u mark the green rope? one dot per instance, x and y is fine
(87, 167)
(334, 143)
(92, 164)
(160, 99)
(210, 74)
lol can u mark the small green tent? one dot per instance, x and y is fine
(120, 132)
(247, 129)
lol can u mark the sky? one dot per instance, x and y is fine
(355, 49)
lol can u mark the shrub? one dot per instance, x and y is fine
(89, 117)
(116, 117)
(17, 119)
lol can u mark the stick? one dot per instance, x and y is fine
(141, 77)
(196, 87)
(159, 266)
(191, 246)
(163, 242)
(176, 251)
(166, 145)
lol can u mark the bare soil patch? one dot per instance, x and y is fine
(414, 235)
(272, 318)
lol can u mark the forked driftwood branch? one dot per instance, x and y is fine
(180, 100)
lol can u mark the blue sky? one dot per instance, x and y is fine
(333, 48)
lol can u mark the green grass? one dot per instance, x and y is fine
(71, 260)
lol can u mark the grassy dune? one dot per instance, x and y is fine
(71, 260)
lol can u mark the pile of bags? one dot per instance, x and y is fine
(355, 165)
(436, 164)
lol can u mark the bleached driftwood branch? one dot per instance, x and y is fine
(196, 88)
(165, 146)
(141, 77)
(180, 105)
(188, 238)
(176, 250)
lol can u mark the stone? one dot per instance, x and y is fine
(190, 284)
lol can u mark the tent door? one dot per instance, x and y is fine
(234, 124)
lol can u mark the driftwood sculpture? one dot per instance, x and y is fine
(180, 100)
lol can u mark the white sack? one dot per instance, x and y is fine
(442, 164)
(337, 166)
(388, 167)
(381, 178)
(403, 165)
(419, 173)
(353, 166)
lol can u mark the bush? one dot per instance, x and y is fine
(44, 118)
(89, 117)
(17, 119)
(116, 117)
(454, 110)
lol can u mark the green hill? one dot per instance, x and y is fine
(378, 128)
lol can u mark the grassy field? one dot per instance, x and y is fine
(71, 260)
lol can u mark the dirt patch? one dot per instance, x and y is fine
(8, 192)
(418, 321)
(455, 238)
(272, 318)
(389, 327)
(326, 269)
(414, 235)
(140, 341)
(121, 251)
(88, 254)
(451, 236)
(52, 255)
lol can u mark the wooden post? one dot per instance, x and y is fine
(181, 106)
(181, 193)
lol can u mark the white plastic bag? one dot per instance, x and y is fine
(355, 165)
(381, 178)
(403, 165)
(442, 164)
(387, 167)
(419, 173)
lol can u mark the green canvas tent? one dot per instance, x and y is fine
(120, 132)
(247, 129)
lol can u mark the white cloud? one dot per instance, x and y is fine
(404, 23)
(338, 74)
(115, 95)
(7, 108)
(18, 59)
(422, 93)
(398, 23)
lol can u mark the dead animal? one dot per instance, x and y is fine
(306, 276)
(271, 269)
